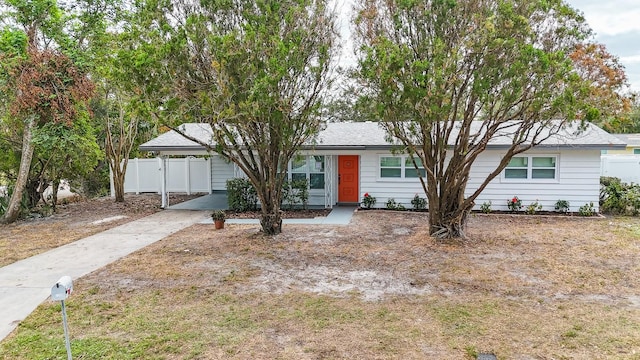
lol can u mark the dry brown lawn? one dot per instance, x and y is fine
(74, 219)
(521, 287)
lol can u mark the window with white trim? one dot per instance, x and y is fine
(310, 168)
(531, 167)
(400, 167)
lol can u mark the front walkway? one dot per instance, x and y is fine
(214, 201)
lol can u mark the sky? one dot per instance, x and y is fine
(616, 24)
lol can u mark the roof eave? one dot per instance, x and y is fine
(565, 146)
(161, 148)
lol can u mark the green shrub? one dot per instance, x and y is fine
(295, 194)
(587, 210)
(533, 208)
(619, 198)
(368, 201)
(562, 206)
(486, 207)
(514, 204)
(393, 205)
(23, 212)
(241, 195)
(419, 203)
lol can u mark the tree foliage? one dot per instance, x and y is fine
(447, 77)
(607, 103)
(256, 72)
(40, 83)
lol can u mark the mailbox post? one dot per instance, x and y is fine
(60, 291)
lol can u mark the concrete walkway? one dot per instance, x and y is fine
(339, 215)
(27, 283)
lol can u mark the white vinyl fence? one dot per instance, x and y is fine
(625, 167)
(183, 175)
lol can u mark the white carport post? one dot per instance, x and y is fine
(162, 160)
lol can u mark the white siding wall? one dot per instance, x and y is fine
(221, 171)
(401, 190)
(578, 182)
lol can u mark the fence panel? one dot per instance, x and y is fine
(625, 167)
(184, 175)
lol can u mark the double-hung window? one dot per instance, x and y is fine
(400, 167)
(310, 168)
(533, 167)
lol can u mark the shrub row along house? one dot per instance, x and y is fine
(349, 159)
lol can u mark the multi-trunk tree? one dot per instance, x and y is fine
(256, 71)
(448, 77)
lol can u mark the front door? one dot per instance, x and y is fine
(348, 179)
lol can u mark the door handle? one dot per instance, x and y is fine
(339, 178)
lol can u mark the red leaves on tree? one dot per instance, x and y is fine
(47, 84)
(605, 77)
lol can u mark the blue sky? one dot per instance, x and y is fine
(616, 23)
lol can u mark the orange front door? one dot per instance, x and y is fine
(348, 179)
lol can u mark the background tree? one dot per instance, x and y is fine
(41, 84)
(608, 102)
(447, 77)
(256, 71)
(121, 130)
(62, 152)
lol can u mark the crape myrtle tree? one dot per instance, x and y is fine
(129, 87)
(448, 77)
(256, 71)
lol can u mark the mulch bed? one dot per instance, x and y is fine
(286, 214)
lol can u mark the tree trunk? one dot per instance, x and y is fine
(271, 222)
(448, 225)
(119, 173)
(13, 209)
(271, 218)
(448, 215)
(118, 184)
(55, 186)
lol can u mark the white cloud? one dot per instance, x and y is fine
(612, 17)
(635, 59)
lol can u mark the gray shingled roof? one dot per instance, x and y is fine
(172, 140)
(369, 135)
(632, 140)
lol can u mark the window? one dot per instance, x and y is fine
(310, 168)
(531, 167)
(636, 151)
(390, 167)
(400, 167)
